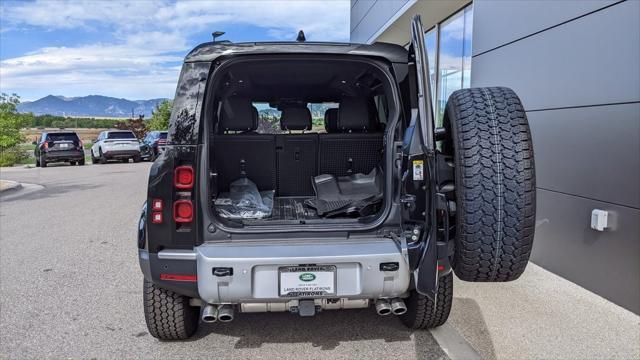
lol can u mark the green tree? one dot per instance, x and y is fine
(10, 124)
(160, 117)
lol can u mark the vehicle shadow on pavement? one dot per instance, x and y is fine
(466, 317)
(326, 330)
(53, 191)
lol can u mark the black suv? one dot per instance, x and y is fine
(153, 144)
(58, 146)
(261, 204)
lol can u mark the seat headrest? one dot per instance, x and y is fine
(256, 117)
(295, 118)
(353, 115)
(237, 115)
(331, 120)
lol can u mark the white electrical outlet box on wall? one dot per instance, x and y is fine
(599, 219)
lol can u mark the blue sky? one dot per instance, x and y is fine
(134, 49)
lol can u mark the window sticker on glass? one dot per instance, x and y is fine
(418, 170)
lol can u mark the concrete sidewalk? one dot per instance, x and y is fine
(543, 316)
(8, 185)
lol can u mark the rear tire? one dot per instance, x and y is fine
(81, 162)
(495, 183)
(137, 159)
(72, 163)
(125, 161)
(168, 315)
(102, 158)
(422, 313)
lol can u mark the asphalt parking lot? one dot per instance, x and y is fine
(70, 287)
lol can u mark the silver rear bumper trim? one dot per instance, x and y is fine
(177, 255)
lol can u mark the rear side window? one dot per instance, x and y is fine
(62, 137)
(121, 135)
(163, 135)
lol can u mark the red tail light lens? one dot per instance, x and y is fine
(157, 204)
(182, 211)
(45, 145)
(183, 177)
(156, 217)
(80, 144)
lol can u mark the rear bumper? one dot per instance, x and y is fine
(119, 154)
(256, 277)
(64, 155)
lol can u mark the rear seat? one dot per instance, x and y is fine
(244, 152)
(288, 162)
(353, 143)
(296, 153)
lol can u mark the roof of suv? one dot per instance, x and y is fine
(212, 50)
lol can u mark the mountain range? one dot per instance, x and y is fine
(90, 106)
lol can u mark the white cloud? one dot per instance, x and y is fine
(140, 61)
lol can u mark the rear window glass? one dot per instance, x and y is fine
(163, 135)
(269, 117)
(62, 137)
(120, 135)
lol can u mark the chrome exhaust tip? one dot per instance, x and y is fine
(383, 307)
(398, 307)
(210, 314)
(225, 313)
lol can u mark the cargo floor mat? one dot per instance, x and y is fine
(357, 194)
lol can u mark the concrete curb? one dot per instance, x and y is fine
(9, 186)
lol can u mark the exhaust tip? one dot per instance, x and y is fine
(383, 307)
(398, 307)
(225, 313)
(225, 318)
(384, 311)
(209, 314)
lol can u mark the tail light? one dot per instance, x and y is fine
(80, 144)
(45, 145)
(183, 177)
(156, 217)
(157, 204)
(183, 211)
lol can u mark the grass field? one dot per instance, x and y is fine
(86, 135)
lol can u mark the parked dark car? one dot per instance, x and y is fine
(378, 209)
(152, 145)
(58, 146)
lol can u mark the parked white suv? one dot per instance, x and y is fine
(115, 145)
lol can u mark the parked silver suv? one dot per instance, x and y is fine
(115, 145)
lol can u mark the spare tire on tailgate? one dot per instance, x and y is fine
(495, 183)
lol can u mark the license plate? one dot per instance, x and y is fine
(64, 146)
(307, 281)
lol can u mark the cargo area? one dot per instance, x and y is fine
(298, 142)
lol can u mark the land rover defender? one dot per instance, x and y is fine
(307, 177)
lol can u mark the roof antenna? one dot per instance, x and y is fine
(216, 34)
(301, 37)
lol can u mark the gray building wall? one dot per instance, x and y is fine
(575, 65)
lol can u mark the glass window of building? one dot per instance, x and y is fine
(449, 50)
